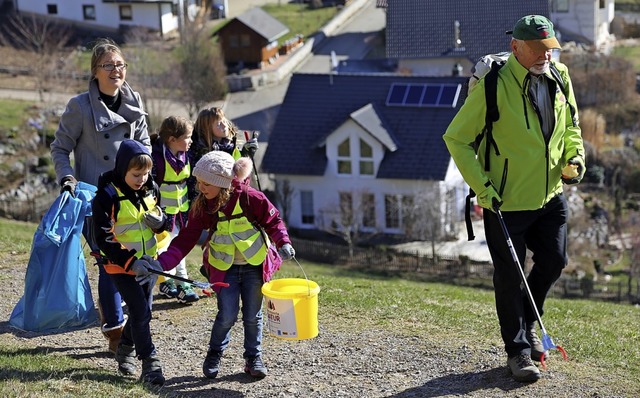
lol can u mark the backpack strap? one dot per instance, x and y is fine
(492, 115)
(560, 81)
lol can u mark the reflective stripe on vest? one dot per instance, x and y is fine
(173, 190)
(131, 232)
(233, 233)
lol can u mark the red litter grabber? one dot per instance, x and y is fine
(547, 343)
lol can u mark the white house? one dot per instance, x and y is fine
(162, 16)
(585, 21)
(444, 38)
(366, 151)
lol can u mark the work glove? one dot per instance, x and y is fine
(573, 172)
(287, 252)
(153, 263)
(251, 146)
(489, 199)
(143, 276)
(68, 184)
(154, 218)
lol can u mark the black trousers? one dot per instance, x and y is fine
(544, 233)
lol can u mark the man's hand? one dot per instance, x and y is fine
(68, 184)
(489, 199)
(155, 218)
(287, 252)
(573, 172)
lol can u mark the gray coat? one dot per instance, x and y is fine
(93, 133)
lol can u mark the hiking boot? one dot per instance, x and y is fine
(537, 349)
(523, 369)
(113, 334)
(211, 364)
(126, 358)
(168, 289)
(152, 371)
(255, 367)
(186, 295)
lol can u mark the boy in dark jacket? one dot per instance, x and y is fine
(127, 217)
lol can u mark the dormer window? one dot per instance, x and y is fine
(366, 159)
(344, 157)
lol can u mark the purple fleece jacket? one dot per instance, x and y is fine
(262, 211)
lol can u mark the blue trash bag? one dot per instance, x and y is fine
(57, 295)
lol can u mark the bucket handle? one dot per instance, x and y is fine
(305, 276)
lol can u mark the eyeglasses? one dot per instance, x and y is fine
(111, 67)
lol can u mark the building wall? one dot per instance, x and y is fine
(251, 54)
(107, 14)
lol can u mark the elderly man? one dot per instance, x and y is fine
(535, 138)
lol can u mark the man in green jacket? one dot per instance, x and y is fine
(535, 138)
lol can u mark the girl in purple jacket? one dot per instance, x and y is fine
(236, 252)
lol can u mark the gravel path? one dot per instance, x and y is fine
(347, 359)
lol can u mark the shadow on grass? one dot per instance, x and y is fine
(75, 373)
(461, 384)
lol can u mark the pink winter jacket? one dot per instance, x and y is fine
(263, 212)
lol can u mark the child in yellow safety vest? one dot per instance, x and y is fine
(171, 170)
(239, 218)
(127, 216)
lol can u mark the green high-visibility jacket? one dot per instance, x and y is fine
(526, 169)
(131, 231)
(236, 232)
(173, 189)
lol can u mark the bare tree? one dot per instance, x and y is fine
(284, 196)
(46, 39)
(154, 74)
(346, 218)
(423, 217)
(202, 69)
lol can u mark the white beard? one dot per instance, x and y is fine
(539, 69)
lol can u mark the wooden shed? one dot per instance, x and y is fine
(251, 39)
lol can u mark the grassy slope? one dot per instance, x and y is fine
(601, 338)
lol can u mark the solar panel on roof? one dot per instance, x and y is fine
(424, 95)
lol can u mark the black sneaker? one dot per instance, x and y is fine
(186, 295)
(523, 369)
(168, 289)
(537, 349)
(211, 364)
(255, 367)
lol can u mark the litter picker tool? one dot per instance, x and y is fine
(200, 285)
(547, 343)
(252, 152)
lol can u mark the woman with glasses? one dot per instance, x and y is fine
(92, 127)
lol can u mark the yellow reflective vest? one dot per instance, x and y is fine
(236, 232)
(131, 231)
(173, 190)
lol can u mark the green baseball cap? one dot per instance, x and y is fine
(537, 31)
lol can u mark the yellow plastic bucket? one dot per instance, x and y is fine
(292, 308)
